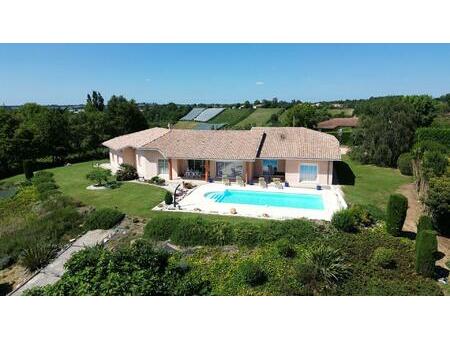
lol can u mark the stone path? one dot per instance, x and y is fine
(53, 272)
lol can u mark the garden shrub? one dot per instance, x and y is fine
(168, 198)
(426, 248)
(197, 231)
(160, 227)
(37, 255)
(434, 164)
(404, 164)
(126, 172)
(5, 288)
(105, 218)
(113, 184)
(157, 180)
(247, 234)
(253, 274)
(28, 169)
(424, 223)
(6, 261)
(343, 220)
(396, 214)
(362, 216)
(437, 202)
(285, 248)
(321, 269)
(384, 257)
(99, 175)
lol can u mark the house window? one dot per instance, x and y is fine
(163, 167)
(308, 172)
(269, 167)
(231, 168)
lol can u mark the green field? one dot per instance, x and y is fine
(231, 116)
(348, 112)
(185, 125)
(373, 184)
(258, 118)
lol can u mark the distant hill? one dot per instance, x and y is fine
(259, 118)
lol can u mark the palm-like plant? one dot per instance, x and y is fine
(321, 269)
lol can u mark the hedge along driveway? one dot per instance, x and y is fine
(131, 198)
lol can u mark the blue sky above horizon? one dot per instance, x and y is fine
(220, 73)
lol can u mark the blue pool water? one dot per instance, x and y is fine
(275, 199)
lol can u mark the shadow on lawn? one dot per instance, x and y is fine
(343, 174)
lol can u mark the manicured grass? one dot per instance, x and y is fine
(185, 125)
(373, 184)
(259, 117)
(335, 111)
(131, 198)
(231, 116)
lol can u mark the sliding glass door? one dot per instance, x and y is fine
(230, 168)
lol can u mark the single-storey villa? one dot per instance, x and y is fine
(299, 156)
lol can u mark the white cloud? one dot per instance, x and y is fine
(259, 83)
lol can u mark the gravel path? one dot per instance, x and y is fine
(53, 272)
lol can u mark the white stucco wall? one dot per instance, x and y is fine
(324, 172)
(147, 163)
(117, 157)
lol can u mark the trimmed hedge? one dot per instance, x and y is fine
(396, 214)
(168, 198)
(440, 135)
(404, 164)
(424, 223)
(426, 248)
(198, 230)
(344, 220)
(103, 219)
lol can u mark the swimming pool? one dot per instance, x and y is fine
(266, 198)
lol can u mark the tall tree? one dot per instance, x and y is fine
(124, 116)
(95, 102)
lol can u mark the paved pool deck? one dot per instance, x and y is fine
(196, 201)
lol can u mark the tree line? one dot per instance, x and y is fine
(49, 134)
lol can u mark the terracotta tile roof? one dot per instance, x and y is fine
(208, 144)
(259, 142)
(298, 143)
(135, 140)
(338, 122)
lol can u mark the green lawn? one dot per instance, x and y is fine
(259, 117)
(373, 184)
(231, 116)
(132, 198)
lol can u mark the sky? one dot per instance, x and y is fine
(220, 73)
